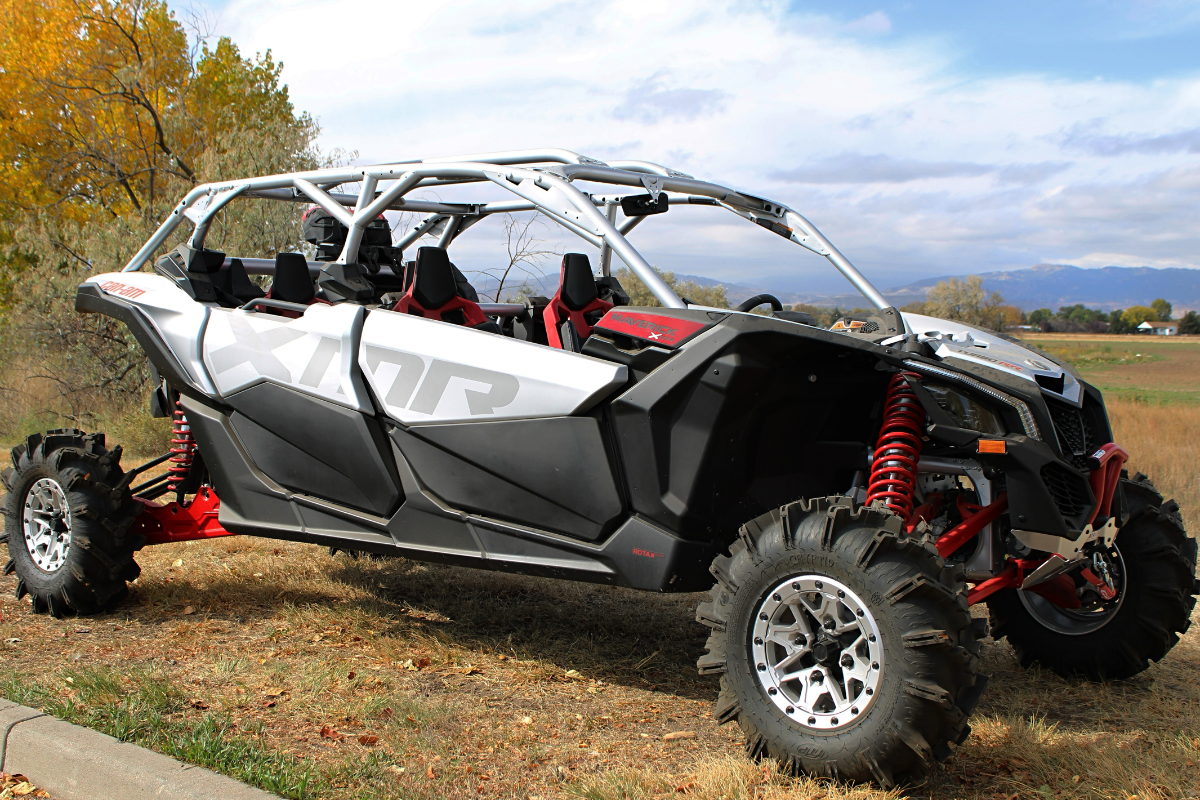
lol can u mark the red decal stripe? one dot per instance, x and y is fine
(651, 327)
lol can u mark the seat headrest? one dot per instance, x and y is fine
(206, 262)
(240, 285)
(577, 287)
(433, 278)
(293, 283)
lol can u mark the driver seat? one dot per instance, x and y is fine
(576, 307)
(432, 293)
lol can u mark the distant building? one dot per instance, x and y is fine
(1159, 328)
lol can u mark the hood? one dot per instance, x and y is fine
(959, 344)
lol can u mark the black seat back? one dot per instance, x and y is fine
(235, 285)
(293, 283)
(433, 283)
(577, 288)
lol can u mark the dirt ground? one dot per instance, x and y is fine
(331, 677)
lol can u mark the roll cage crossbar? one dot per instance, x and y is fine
(544, 180)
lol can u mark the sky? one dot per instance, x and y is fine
(923, 138)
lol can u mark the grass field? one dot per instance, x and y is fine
(320, 677)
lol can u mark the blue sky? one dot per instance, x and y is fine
(924, 139)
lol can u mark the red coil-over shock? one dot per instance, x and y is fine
(898, 448)
(183, 449)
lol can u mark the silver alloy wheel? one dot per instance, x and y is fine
(47, 524)
(817, 652)
(1081, 621)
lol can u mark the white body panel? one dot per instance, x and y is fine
(314, 354)
(963, 343)
(424, 371)
(179, 319)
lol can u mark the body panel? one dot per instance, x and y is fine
(425, 371)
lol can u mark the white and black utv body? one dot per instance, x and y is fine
(846, 494)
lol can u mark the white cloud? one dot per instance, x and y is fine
(911, 168)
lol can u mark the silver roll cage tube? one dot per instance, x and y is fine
(543, 179)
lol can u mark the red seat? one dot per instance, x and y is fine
(431, 293)
(575, 307)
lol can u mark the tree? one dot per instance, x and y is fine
(111, 115)
(966, 301)
(1037, 317)
(1012, 316)
(1190, 323)
(1163, 309)
(1136, 315)
(639, 295)
(1117, 323)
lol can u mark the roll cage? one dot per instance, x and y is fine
(544, 180)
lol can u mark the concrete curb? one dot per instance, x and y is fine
(75, 763)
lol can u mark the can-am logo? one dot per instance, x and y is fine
(651, 327)
(121, 289)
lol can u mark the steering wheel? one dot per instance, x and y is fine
(758, 300)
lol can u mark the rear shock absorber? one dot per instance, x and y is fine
(898, 448)
(183, 449)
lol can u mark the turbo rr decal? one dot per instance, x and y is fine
(429, 371)
(313, 354)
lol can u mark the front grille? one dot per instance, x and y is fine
(1069, 490)
(1074, 434)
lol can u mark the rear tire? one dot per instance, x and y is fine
(68, 522)
(1153, 608)
(892, 706)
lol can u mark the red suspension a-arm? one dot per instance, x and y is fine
(181, 523)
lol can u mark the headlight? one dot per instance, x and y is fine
(966, 411)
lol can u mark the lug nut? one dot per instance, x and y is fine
(762, 667)
(841, 593)
(772, 691)
(870, 691)
(812, 720)
(758, 640)
(854, 710)
(790, 710)
(819, 585)
(763, 616)
(871, 637)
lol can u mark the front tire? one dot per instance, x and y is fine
(845, 647)
(69, 518)
(1154, 562)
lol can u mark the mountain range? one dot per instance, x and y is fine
(1042, 286)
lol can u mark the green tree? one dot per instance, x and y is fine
(1163, 309)
(1136, 315)
(1037, 317)
(639, 295)
(1117, 323)
(1190, 323)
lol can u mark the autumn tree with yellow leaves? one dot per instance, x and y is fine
(111, 111)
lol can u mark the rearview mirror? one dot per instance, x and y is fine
(643, 205)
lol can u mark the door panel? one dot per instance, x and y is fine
(552, 474)
(314, 354)
(423, 370)
(314, 447)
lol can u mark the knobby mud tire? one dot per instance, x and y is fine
(99, 560)
(1160, 563)
(930, 681)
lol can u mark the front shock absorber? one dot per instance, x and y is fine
(183, 449)
(898, 448)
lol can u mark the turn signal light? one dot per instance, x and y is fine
(993, 446)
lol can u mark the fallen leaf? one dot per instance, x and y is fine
(268, 703)
(275, 692)
(177, 562)
(368, 739)
(502, 657)
(684, 788)
(471, 671)
(70, 680)
(674, 735)
(573, 673)
(328, 732)
(189, 610)
(351, 675)
(413, 720)
(397, 770)
(526, 720)
(198, 704)
(23, 789)
(423, 662)
(386, 713)
(429, 773)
